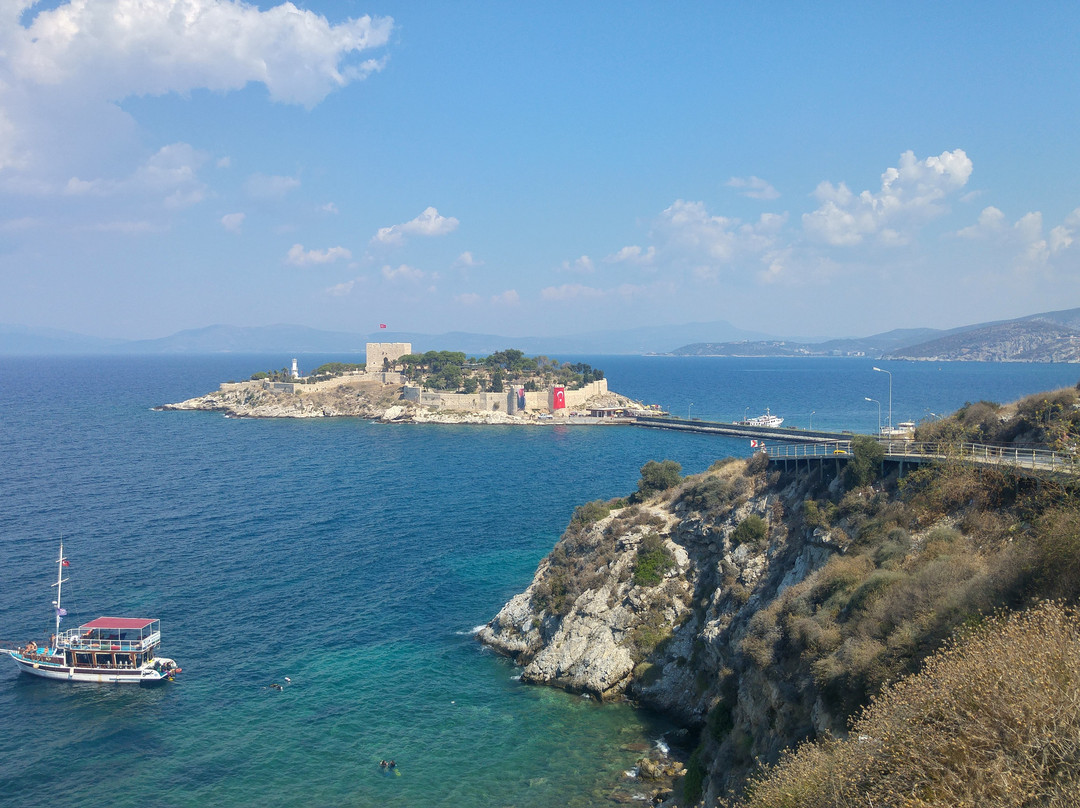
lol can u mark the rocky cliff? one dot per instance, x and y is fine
(761, 610)
(733, 542)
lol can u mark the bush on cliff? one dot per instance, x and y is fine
(867, 454)
(992, 720)
(751, 531)
(715, 493)
(579, 560)
(652, 562)
(657, 477)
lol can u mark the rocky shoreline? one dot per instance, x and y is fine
(370, 399)
(589, 622)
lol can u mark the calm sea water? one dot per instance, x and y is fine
(352, 557)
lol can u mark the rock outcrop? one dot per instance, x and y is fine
(588, 623)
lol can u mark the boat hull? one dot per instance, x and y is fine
(66, 673)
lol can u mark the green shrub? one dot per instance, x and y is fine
(653, 560)
(751, 531)
(865, 463)
(694, 780)
(657, 477)
(589, 513)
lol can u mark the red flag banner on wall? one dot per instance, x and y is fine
(521, 398)
(558, 398)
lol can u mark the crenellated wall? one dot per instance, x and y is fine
(501, 402)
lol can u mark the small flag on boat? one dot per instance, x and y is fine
(61, 612)
(65, 563)
(382, 325)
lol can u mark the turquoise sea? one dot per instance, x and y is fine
(355, 559)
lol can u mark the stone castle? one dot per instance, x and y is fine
(381, 356)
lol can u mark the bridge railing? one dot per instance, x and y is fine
(983, 453)
(790, 451)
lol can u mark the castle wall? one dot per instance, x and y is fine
(501, 402)
(378, 351)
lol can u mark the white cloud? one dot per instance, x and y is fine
(329, 207)
(170, 175)
(428, 223)
(910, 194)
(570, 291)
(343, 289)
(991, 222)
(269, 187)
(583, 265)
(21, 224)
(300, 257)
(113, 49)
(508, 298)
(632, 254)
(467, 298)
(125, 227)
(467, 260)
(65, 70)
(233, 221)
(1024, 239)
(754, 187)
(687, 231)
(403, 272)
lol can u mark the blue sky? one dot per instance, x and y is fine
(821, 169)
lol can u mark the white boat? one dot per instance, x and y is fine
(763, 420)
(108, 649)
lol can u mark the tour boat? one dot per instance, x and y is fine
(108, 649)
(763, 420)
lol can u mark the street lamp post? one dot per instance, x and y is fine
(879, 370)
(812, 418)
(688, 406)
(878, 412)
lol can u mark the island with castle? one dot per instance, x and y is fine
(395, 385)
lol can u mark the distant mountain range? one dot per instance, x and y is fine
(298, 339)
(1048, 337)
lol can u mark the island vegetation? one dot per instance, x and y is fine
(453, 371)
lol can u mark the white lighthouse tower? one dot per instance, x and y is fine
(295, 371)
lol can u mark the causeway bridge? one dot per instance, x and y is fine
(909, 452)
(796, 448)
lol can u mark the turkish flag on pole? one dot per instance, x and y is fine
(382, 325)
(65, 563)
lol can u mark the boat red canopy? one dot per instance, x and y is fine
(119, 622)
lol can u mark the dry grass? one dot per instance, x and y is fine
(992, 721)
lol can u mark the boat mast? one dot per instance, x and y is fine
(60, 579)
